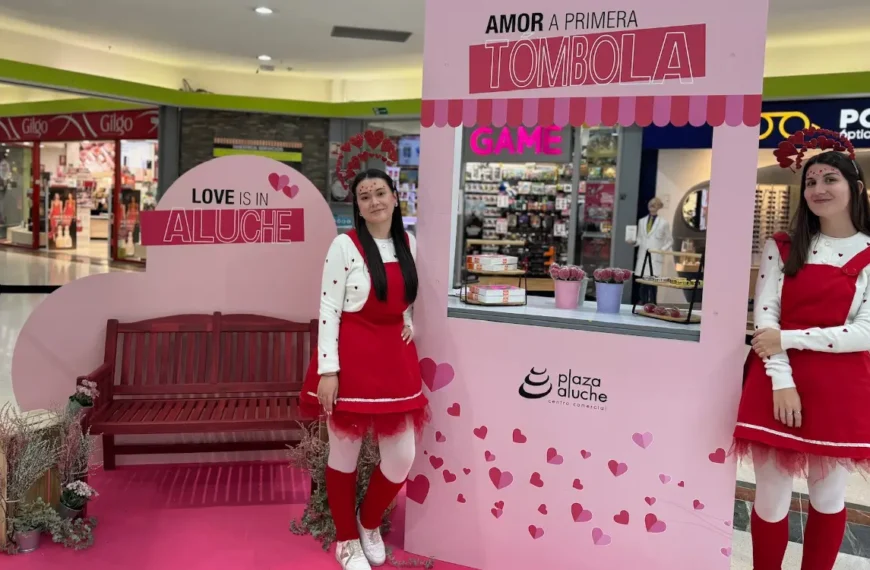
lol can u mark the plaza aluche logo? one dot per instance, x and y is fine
(568, 390)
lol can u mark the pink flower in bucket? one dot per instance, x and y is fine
(567, 273)
(609, 282)
(569, 280)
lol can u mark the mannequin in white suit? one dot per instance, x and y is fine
(653, 232)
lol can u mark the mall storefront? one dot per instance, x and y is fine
(677, 162)
(77, 182)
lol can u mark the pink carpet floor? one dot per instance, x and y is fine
(211, 517)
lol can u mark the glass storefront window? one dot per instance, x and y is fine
(15, 195)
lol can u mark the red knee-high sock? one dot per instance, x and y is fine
(341, 495)
(379, 495)
(822, 539)
(769, 541)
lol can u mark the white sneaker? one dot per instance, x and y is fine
(350, 555)
(372, 544)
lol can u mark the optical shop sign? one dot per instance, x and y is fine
(217, 213)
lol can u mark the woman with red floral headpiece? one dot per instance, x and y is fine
(807, 380)
(366, 374)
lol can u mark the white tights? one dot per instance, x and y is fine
(397, 453)
(773, 490)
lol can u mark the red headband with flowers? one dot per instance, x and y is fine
(360, 148)
(790, 152)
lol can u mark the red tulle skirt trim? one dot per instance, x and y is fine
(357, 425)
(796, 463)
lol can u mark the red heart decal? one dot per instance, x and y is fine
(654, 525)
(536, 480)
(436, 462)
(699, 506)
(579, 514)
(489, 456)
(519, 437)
(454, 410)
(481, 434)
(650, 500)
(460, 498)
(536, 532)
(499, 504)
(291, 191)
(345, 147)
(577, 485)
(439, 437)
(717, 456)
(681, 484)
(617, 468)
(449, 477)
(357, 140)
(466, 470)
(585, 454)
(499, 478)
(496, 513)
(436, 376)
(553, 458)
(622, 518)
(542, 509)
(417, 489)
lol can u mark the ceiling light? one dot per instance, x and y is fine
(263, 10)
(265, 58)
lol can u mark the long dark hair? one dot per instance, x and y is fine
(806, 225)
(397, 233)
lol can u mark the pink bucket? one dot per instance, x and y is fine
(568, 293)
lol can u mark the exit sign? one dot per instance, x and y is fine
(380, 111)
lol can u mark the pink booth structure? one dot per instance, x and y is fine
(613, 454)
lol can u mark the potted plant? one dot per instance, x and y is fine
(569, 283)
(73, 499)
(29, 522)
(85, 394)
(609, 283)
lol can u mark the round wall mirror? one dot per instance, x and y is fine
(694, 208)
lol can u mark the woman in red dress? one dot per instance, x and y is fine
(804, 410)
(366, 376)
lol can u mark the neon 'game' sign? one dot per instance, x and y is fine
(486, 141)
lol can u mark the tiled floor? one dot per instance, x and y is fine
(18, 268)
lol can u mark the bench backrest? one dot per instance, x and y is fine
(209, 354)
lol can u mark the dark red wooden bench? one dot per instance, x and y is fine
(200, 374)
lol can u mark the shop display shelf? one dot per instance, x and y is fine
(471, 277)
(506, 242)
(667, 285)
(694, 288)
(691, 319)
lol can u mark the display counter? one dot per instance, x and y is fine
(541, 312)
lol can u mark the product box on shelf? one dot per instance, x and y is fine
(491, 262)
(496, 294)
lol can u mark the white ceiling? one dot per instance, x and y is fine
(228, 35)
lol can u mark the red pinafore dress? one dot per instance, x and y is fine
(380, 387)
(834, 388)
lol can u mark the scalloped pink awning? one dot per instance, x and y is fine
(695, 110)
